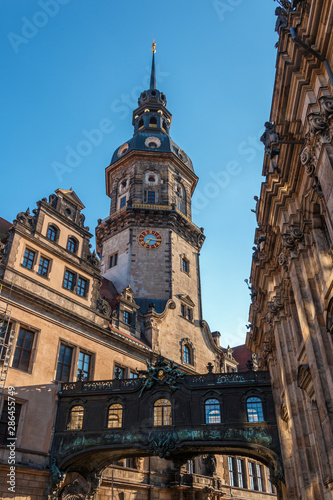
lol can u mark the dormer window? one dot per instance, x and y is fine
(72, 245)
(52, 233)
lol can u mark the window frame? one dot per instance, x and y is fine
(208, 404)
(18, 415)
(31, 351)
(151, 196)
(56, 231)
(48, 269)
(70, 365)
(72, 241)
(34, 259)
(119, 410)
(81, 279)
(78, 370)
(122, 371)
(129, 315)
(254, 411)
(113, 260)
(166, 416)
(74, 280)
(69, 421)
(185, 265)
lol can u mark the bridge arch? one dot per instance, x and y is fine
(88, 451)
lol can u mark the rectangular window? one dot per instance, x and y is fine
(114, 260)
(251, 475)
(82, 287)
(183, 310)
(11, 411)
(23, 349)
(119, 372)
(151, 197)
(69, 280)
(191, 466)
(240, 473)
(133, 375)
(28, 259)
(83, 367)
(185, 265)
(127, 317)
(189, 314)
(259, 478)
(270, 485)
(64, 363)
(122, 201)
(231, 471)
(44, 265)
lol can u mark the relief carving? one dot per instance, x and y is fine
(292, 242)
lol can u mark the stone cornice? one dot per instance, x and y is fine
(161, 217)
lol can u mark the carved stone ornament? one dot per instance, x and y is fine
(26, 219)
(74, 491)
(57, 477)
(162, 372)
(320, 132)
(292, 242)
(93, 259)
(317, 123)
(326, 106)
(162, 443)
(103, 307)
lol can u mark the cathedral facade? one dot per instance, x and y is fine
(291, 275)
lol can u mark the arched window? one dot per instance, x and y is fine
(52, 233)
(72, 244)
(76, 418)
(141, 123)
(212, 411)
(153, 122)
(162, 412)
(164, 126)
(254, 410)
(187, 354)
(115, 415)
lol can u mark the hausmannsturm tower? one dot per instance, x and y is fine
(149, 244)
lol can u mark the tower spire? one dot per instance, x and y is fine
(152, 76)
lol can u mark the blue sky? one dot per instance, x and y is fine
(73, 66)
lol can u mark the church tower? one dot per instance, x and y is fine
(148, 245)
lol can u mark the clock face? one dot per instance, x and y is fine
(150, 239)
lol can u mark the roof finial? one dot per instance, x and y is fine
(152, 76)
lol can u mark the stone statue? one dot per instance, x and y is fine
(282, 19)
(270, 136)
(210, 465)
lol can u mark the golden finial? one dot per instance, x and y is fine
(153, 47)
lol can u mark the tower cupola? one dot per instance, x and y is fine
(152, 114)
